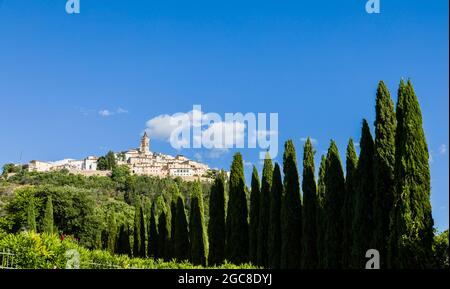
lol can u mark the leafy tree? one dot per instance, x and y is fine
(197, 230)
(120, 174)
(349, 204)
(237, 214)
(310, 204)
(363, 225)
(10, 168)
(264, 211)
(107, 162)
(181, 236)
(274, 238)
(216, 227)
(333, 202)
(48, 216)
(153, 249)
(384, 162)
(123, 242)
(441, 251)
(102, 164)
(291, 211)
(321, 221)
(254, 216)
(31, 216)
(411, 221)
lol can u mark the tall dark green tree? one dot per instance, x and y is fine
(349, 204)
(143, 248)
(123, 241)
(197, 230)
(111, 234)
(163, 233)
(411, 221)
(137, 230)
(48, 216)
(181, 237)
(310, 204)
(291, 211)
(153, 250)
(216, 227)
(31, 216)
(254, 215)
(321, 224)
(363, 224)
(262, 257)
(384, 162)
(173, 221)
(333, 202)
(274, 238)
(237, 215)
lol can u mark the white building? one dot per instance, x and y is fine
(141, 161)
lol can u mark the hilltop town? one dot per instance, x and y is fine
(141, 161)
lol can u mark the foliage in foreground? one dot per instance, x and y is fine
(46, 251)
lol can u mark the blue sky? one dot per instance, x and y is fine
(315, 63)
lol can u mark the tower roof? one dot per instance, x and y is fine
(145, 134)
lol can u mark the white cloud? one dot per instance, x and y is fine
(442, 149)
(430, 158)
(313, 140)
(216, 133)
(121, 110)
(105, 113)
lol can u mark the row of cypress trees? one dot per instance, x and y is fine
(382, 201)
(47, 219)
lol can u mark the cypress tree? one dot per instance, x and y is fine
(237, 215)
(111, 234)
(411, 221)
(142, 250)
(137, 230)
(349, 204)
(310, 204)
(31, 216)
(333, 202)
(153, 250)
(321, 224)
(254, 215)
(216, 227)
(163, 234)
(173, 215)
(363, 225)
(264, 210)
(384, 162)
(291, 211)
(48, 216)
(274, 238)
(197, 230)
(123, 242)
(181, 236)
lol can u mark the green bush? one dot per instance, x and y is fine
(46, 251)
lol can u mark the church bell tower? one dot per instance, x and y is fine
(145, 144)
